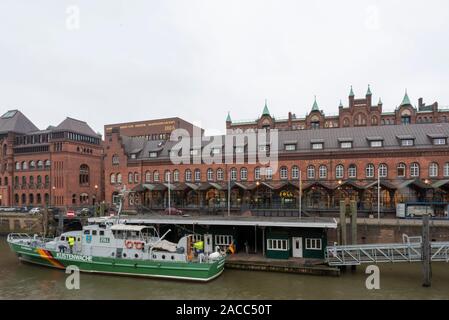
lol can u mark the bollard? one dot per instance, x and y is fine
(427, 270)
(353, 208)
(343, 223)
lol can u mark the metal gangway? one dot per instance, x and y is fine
(411, 250)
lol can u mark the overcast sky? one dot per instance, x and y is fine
(116, 61)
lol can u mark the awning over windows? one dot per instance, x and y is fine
(383, 184)
(418, 184)
(442, 184)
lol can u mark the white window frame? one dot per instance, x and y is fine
(383, 170)
(153, 154)
(223, 239)
(188, 175)
(346, 145)
(210, 174)
(243, 174)
(376, 144)
(290, 147)
(233, 174)
(322, 171)
(278, 244)
(402, 166)
(317, 146)
(295, 172)
(314, 244)
(369, 170)
(352, 172)
(283, 173)
(414, 170)
(197, 175)
(340, 171)
(407, 142)
(439, 141)
(310, 172)
(433, 170)
(446, 169)
(176, 176)
(257, 173)
(220, 174)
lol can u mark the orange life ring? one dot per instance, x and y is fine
(138, 245)
(129, 244)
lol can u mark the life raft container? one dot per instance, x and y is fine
(129, 244)
(138, 245)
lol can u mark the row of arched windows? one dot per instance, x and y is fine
(31, 180)
(31, 198)
(32, 165)
(312, 172)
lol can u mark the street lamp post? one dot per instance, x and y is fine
(378, 194)
(300, 195)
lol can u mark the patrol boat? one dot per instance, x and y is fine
(111, 247)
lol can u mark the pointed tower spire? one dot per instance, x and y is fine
(406, 100)
(266, 112)
(315, 106)
(380, 101)
(228, 119)
(341, 104)
(351, 93)
(368, 93)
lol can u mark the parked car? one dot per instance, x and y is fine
(84, 212)
(35, 210)
(172, 211)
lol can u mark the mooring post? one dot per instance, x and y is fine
(343, 222)
(427, 269)
(353, 208)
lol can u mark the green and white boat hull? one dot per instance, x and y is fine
(127, 267)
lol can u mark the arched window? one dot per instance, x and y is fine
(323, 172)
(16, 199)
(369, 170)
(39, 180)
(24, 181)
(31, 180)
(156, 176)
(84, 174)
(210, 174)
(112, 178)
(47, 198)
(401, 170)
(176, 176)
(115, 160)
(339, 171)
(284, 173)
(433, 170)
(233, 174)
(47, 164)
(119, 178)
(352, 171)
(40, 164)
(32, 165)
(257, 173)
(47, 181)
(310, 172)
(188, 175)
(268, 173)
(16, 181)
(220, 175)
(243, 174)
(446, 169)
(24, 198)
(295, 172)
(6, 181)
(383, 170)
(167, 176)
(197, 175)
(31, 197)
(18, 166)
(147, 176)
(24, 165)
(38, 198)
(414, 170)
(130, 177)
(136, 177)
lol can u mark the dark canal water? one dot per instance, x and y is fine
(401, 281)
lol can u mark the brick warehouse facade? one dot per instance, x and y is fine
(337, 162)
(59, 166)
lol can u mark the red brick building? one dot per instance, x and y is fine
(58, 166)
(358, 113)
(336, 163)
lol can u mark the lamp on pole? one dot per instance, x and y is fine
(300, 194)
(169, 194)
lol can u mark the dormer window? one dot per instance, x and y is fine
(264, 148)
(345, 143)
(407, 142)
(133, 156)
(439, 141)
(376, 144)
(290, 147)
(153, 154)
(317, 145)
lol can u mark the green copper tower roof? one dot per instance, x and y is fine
(351, 93)
(228, 119)
(368, 93)
(315, 106)
(265, 112)
(406, 100)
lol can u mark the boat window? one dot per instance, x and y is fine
(79, 239)
(101, 233)
(94, 232)
(163, 257)
(86, 231)
(136, 255)
(124, 255)
(62, 238)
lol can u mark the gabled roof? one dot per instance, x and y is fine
(76, 126)
(16, 121)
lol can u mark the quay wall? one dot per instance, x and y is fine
(20, 222)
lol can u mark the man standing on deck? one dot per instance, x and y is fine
(71, 243)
